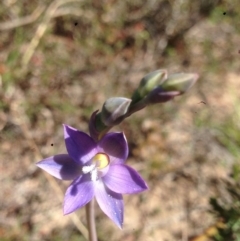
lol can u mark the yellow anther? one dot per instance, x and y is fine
(101, 160)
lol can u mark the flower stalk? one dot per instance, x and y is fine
(90, 215)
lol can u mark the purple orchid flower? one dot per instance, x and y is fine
(97, 169)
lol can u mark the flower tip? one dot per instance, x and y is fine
(118, 223)
(64, 126)
(41, 164)
(38, 164)
(144, 186)
(120, 226)
(66, 210)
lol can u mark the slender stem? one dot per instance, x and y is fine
(92, 234)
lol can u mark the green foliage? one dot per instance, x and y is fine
(227, 209)
(229, 135)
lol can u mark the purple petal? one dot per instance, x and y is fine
(78, 194)
(124, 179)
(115, 145)
(80, 146)
(110, 202)
(61, 166)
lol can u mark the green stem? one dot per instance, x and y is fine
(92, 234)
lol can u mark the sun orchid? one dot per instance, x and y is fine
(97, 169)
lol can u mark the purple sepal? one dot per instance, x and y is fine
(78, 194)
(80, 146)
(61, 166)
(110, 202)
(124, 179)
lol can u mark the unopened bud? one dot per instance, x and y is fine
(114, 109)
(179, 82)
(148, 83)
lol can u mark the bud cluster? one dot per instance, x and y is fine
(155, 87)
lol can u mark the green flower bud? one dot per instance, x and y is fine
(179, 82)
(114, 109)
(148, 83)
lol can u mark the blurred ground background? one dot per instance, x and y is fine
(60, 60)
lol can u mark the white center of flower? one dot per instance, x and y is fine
(99, 166)
(92, 170)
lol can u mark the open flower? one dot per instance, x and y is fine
(97, 169)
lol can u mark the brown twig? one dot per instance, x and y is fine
(22, 21)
